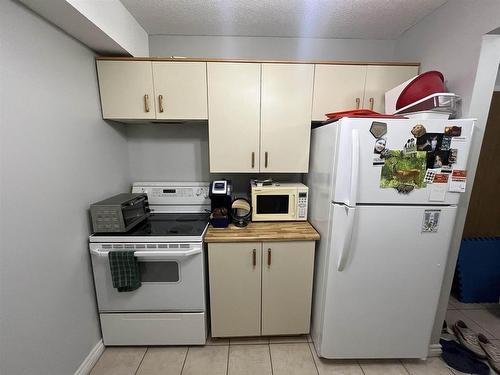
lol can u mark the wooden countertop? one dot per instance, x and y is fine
(264, 231)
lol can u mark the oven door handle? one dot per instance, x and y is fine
(158, 255)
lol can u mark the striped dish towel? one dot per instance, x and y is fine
(124, 270)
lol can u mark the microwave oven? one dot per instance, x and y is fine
(279, 202)
(119, 213)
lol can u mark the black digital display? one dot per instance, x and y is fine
(219, 185)
(302, 195)
(169, 191)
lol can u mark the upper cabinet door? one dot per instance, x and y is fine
(180, 90)
(337, 88)
(286, 117)
(126, 89)
(380, 79)
(234, 116)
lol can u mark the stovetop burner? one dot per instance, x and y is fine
(168, 225)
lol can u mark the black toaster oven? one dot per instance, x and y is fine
(119, 213)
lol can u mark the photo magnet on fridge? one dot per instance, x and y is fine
(380, 144)
(453, 156)
(410, 146)
(401, 169)
(438, 159)
(380, 151)
(446, 143)
(378, 129)
(430, 142)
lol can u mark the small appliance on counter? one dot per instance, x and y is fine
(220, 193)
(119, 213)
(279, 202)
(241, 212)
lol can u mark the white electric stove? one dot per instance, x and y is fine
(170, 306)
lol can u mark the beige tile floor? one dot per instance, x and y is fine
(281, 355)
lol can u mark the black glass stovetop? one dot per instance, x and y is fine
(169, 225)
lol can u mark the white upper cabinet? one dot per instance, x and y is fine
(337, 88)
(286, 107)
(234, 116)
(126, 89)
(160, 90)
(180, 90)
(380, 79)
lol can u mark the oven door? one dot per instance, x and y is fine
(172, 278)
(274, 205)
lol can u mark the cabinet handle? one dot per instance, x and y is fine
(146, 103)
(265, 159)
(253, 159)
(254, 257)
(358, 103)
(160, 102)
(372, 101)
(269, 257)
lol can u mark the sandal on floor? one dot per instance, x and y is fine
(468, 338)
(492, 352)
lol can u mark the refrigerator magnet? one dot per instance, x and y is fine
(452, 158)
(429, 176)
(401, 170)
(458, 181)
(437, 193)
(453, 131)
(404, 188)
(446, 143)
(418, 131)
(378, 129)
(430, 223)
(410, 146)
(380, 144)
(430, 142)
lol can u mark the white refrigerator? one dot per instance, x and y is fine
(385, 233)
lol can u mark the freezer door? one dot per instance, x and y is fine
(383, 283)
(357, 179)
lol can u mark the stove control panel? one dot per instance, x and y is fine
(174, 193)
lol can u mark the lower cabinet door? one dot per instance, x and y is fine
(235, 282)
(287, 275)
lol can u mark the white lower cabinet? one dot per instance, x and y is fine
(260, 288)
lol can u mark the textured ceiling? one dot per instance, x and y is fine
(365, 19)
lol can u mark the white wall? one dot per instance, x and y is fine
(271, 48)
(162, 152)
(452, 40)
(104, 26)
(449, 40)
(56, 157)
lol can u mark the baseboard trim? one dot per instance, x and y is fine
(435, 350)
(92, 358)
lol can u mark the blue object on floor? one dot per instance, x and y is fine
(477, 276)
(462, 359)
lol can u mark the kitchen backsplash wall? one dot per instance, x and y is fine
(179, 152)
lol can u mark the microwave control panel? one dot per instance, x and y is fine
(302, 205)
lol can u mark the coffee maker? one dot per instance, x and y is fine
(221, 195)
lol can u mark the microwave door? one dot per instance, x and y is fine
(275, 206)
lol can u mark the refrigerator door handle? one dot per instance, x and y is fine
(344, 254)
(353, 193)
